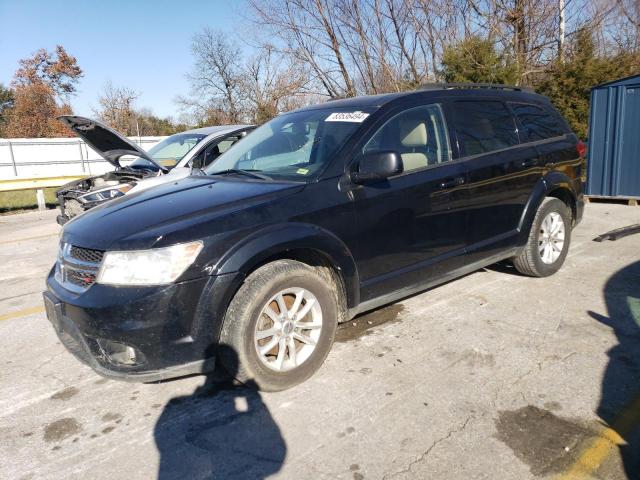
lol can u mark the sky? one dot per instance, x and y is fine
(140, 44)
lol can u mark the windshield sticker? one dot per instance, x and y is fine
(302, 171)
(355, 117)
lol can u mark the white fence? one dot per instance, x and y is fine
(22, 158)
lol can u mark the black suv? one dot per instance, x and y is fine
(317, 216)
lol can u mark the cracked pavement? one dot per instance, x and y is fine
(441, 385)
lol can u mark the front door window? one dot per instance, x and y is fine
(419, 135)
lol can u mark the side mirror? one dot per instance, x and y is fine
(197, 161)
(375, 166)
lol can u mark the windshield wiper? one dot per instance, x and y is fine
(239, 171)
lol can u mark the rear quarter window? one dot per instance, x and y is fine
(537, 123)
(483, 126)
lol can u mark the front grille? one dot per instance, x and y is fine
(86, 254)
(80, 278)
(77, 267)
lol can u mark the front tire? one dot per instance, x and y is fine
(280, 326)
(548, 242)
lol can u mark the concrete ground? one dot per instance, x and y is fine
(492, 376)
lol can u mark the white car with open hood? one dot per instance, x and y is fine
(171, 159)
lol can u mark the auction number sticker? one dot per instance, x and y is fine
(355, 117)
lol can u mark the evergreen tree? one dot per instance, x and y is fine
(568, 83)
(476, 60)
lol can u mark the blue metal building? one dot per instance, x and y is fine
(614, 139)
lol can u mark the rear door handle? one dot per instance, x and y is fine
(452, 182)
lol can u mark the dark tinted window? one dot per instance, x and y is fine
(536, 122)
(484, 127)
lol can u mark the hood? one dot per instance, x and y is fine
(104, 140)
(173, 212)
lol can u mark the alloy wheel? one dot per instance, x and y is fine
(551, 237)
(288, 329)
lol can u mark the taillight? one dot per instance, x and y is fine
(581, 148)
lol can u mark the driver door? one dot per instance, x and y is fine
(411, 227)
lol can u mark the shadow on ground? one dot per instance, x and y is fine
(505, 266)
(221, 431)
(620, 401)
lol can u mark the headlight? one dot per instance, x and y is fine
(106, 194)
(157, 266)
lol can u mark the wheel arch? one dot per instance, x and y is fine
(567, 196)
(554, 184)
(306, 243)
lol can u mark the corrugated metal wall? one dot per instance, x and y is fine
(614, 139)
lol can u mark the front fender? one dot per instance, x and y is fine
(279, 239)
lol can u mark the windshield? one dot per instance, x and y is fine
(170, 150)
(294, 146)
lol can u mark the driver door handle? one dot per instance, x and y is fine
(452, 182)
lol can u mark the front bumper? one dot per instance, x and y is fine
(172, 329)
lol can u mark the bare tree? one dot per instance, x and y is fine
(438, 24)
(116, 108)
(272, 84)
(309, 31)
(351, 47)
(216, 75)
(226, 88)
(369, 46)
(631, 10)
(624, 25)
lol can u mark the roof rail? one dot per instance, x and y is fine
(450, 86)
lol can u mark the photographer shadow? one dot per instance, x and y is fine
(619, 404)
(222, 431)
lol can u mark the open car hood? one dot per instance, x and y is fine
(106, 141)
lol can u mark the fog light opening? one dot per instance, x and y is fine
(120, 353)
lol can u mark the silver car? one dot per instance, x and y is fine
(171, 159)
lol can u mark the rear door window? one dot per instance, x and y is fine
(484, 126)
(537, 123)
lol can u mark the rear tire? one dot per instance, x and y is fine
(548, 242)
(280, 326)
